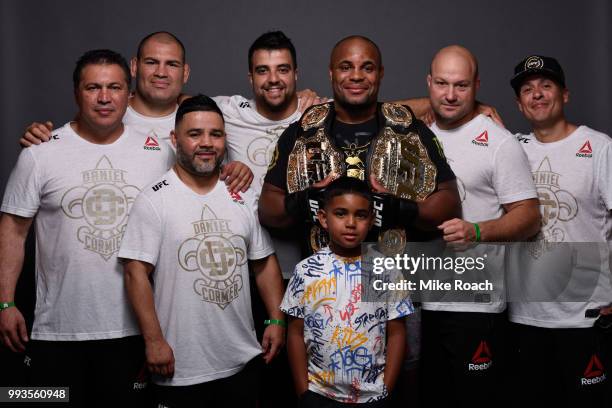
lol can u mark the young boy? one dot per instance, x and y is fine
(342, 349)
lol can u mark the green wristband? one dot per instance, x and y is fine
(275, 321)
(477, 229)
(6, 305)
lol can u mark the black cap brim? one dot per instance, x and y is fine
(518, 79)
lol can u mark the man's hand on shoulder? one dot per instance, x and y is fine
(307, 98)
(491, 112)
(237, 176)
(36, 133)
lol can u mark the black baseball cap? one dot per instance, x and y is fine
(537, 64)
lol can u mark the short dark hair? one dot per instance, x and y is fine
(362, 38)
(173, 37)
(100, 57)
(272, 40)
(346, 185)
(198, 103)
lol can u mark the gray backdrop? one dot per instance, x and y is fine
(42, 39)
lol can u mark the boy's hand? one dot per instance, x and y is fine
(272, 342)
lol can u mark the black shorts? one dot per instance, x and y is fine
(238, 390)
(562, 367)
(462, 353)
(98, 372)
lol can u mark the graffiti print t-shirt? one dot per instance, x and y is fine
(200, 246)
(81, 194)
(345, 337)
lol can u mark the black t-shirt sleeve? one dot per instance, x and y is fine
(277, 171)
(436, 153)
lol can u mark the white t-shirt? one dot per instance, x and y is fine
(154, 127)
(81, 194)
(251, 139)
(491, 170)
(573, 177)
(200, 246)
(345, 336)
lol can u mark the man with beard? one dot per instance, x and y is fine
(198, 240)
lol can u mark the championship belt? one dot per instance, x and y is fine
(400, 162)
(397, 158)
(314, 156)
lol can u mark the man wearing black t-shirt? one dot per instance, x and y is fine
(343, 137)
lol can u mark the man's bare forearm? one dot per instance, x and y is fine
(272, 207)
(444, 204)
(521, 221)
(420, 106)
(269, 284)
(13, 233)
(140, 293)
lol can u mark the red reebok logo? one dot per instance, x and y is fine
(594, 372)
(236, 198)
(482, 354)
(482, 139)
(151, 144)
(482, 358)
(594, 368)
(585, 150)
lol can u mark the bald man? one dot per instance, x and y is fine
(339, 138)
(499, 204)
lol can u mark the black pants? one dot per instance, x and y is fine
(238, 390)
(277, 389)
(100, 373)
(462, 358)
(561, 367)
